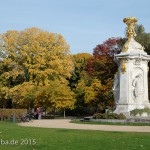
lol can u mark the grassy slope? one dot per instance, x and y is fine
(62, 139)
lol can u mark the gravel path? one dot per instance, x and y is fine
(65, 124)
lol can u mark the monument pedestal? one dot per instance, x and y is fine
(131, 81)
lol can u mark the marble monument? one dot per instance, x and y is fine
(131, 81)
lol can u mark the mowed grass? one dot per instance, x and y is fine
(65, 139)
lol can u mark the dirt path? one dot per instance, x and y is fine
(65, 124)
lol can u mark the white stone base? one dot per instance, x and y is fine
(125, 109)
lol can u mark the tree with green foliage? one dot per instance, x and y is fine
(142, 37)
(80, 74)
(80, 67)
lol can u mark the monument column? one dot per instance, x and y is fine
(131, 81)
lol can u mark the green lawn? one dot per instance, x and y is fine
(63, 139)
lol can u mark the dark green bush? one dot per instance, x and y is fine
(98, 116)
(108, 116)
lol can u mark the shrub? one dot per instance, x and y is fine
(8, 113)
(121, 116)
(98, 115)
(108, 116)
(136, 112)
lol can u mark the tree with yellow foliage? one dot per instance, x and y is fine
(57, 95)
(4, 92)
(33, 58)
(23, 95)
(93, 92)
(35, 55)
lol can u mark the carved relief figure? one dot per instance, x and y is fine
(137, 84)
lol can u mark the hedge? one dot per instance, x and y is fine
(108, 116)
(8, 113)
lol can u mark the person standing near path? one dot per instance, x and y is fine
(39, 112)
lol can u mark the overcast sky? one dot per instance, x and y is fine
(83, 23)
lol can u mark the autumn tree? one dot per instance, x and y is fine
(80, 61)
(23, 95)
(103, 66)
(4, 90)
(4, 96)
(56, 95)
(93, 93)
(33, 57)
(80, 104)
(88, 95)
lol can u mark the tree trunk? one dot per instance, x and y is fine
(64, 113)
